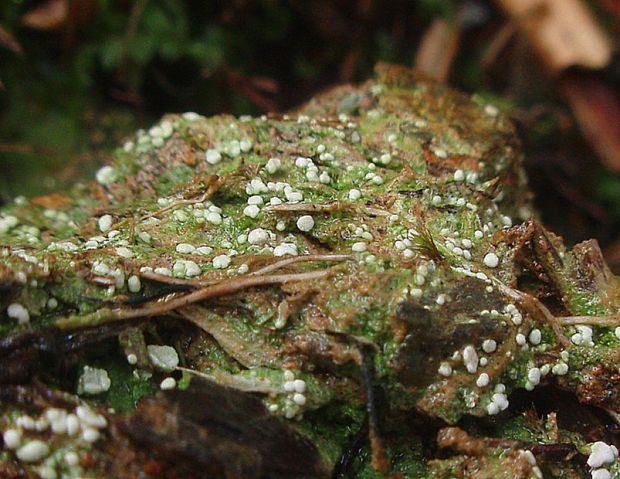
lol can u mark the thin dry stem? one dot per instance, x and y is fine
(223, 288)
(536, 309)
(328, 208)
(297, 259)
(176, 204)
(264, 270)
(162, 278)
(592, 320)
(214, 185)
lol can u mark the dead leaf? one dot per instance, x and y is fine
(53, 201)
(438, 49)
(497, 44)
(50, 15)
(8, 40)
(612, 6)
(597, 110)
(256, 89)
(563, 32)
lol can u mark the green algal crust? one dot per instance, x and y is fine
(388, 221)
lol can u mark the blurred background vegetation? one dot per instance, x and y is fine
(77, 76)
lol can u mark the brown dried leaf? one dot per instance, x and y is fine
(612, 6)
(50, 15)
(438, 49)
(563, 32)
(597, 110)
(54, 200)
(8, 40)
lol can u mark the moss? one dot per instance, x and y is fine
(398, 272)
(127, 388)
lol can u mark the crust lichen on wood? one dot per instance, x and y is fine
(355, 289)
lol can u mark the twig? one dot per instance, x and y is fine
(497, 44)
(162, 278)
(297, 259)
(8, 40)
(142, 299)
(175, 204)
(327, 208)
(593, 320)
(379, 459)
(132, 25)
(352, 451)
(266, 269)
(535, 308)
(376, 212)
(103, 280)
(224, 288)
(215, 184)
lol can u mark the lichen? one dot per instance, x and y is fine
(420, 249)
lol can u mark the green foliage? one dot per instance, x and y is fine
(153, 56)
